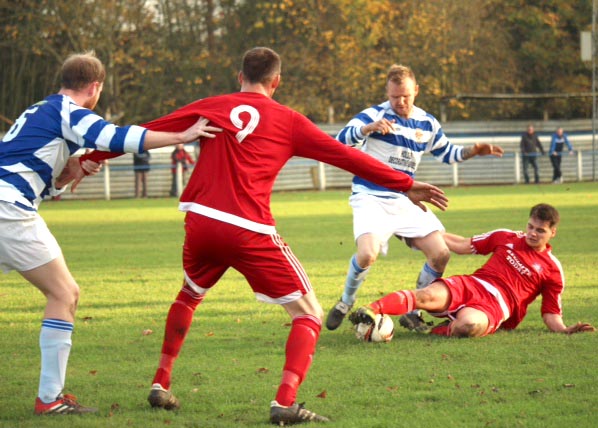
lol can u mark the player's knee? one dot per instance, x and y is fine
(315, 311)
(439, 259)
(466, 329)
(66, 295)
(366, 258)
(444, 256)
(425, 297)
(72, 296)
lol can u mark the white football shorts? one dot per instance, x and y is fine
(386, 217)
(25, 240)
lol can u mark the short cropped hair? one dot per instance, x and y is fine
(260, 65)
(545, 212)
(81, 69)
(398, 73)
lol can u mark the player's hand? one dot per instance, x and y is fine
(75, 171)
(580, 327)
(484, 149)
(382, 126)
(199, 129)
(88, 167)
(424, 192)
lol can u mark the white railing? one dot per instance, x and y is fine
(117, 178)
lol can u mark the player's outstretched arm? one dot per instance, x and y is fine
(457, 244)
(153, 139)
(482, 149)
(555, 323)
(424, 192)
(156, 139)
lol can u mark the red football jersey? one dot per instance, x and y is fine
(235, 172)
(520, 273)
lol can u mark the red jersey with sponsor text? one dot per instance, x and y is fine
(520, 273)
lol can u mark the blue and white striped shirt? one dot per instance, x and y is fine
(37, 147)
(401, 149)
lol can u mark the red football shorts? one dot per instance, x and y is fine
(266, 261)
(467, 292)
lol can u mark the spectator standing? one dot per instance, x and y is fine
(530, 144)
(557, 144)
(179, 156)
(141, 163)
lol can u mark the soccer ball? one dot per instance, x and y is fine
(382, 330)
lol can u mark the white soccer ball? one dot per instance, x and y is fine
(382, 330)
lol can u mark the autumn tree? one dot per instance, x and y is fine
(162, 54)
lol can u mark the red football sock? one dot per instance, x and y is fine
(441, 330)
(397, 303)
(178, 323)
(300, 348)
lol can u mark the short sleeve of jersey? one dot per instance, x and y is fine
(486, 243)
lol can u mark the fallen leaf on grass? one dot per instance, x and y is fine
(147, 332)
(322, 394)
(113, 408)
(262, 370)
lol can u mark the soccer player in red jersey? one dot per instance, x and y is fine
(229, 223)
(497, 295)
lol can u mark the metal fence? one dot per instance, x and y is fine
(117, 178)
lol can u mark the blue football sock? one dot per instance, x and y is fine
(427, 276)
(355, 277)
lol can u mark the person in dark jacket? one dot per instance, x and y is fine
(530, 145)
(141, 164)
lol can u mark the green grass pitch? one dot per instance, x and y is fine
(125, 255)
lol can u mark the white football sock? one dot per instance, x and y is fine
(55, 344)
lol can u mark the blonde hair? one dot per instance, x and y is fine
(398, 73)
